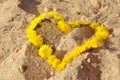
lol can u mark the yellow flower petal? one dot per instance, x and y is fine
(74, 24)
(41, 17)
(63, 27)
(94, 25)
(56, 62)
(83, 22)
(45, 51)
(37, 41)
(61, 66)
(55, 15)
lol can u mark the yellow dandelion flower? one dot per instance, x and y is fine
(61, 66)
(94, 25)
(41, 17)
(56, 62)
(86, 46)
(33, 24)
(74, 24)
(96, 42)
(35, 21)
(37, 41)
(67, 59)
(51, 13)
(51, 58)
(45, 51)
(74, 54)
(102, 32)
(61, 23)
(83, 22)
(55, 15)
(31, 34)
(77, 51)
(64, 27)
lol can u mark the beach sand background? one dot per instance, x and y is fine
(19, 59)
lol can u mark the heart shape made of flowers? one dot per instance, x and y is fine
(46, 51)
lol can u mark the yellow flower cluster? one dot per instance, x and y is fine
(63, 26)
(46, 52)
(77, 23)
(55, 15)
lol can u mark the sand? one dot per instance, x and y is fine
(19, 59)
